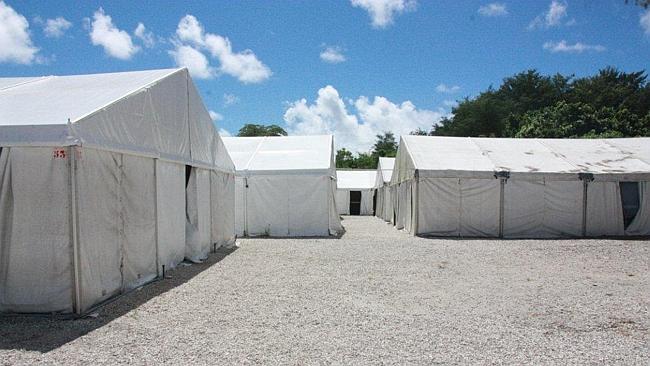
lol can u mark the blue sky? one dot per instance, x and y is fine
(351, 68)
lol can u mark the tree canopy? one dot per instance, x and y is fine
(250, 129)
(385, 146)
(528, 104)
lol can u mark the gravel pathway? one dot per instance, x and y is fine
(374, 296)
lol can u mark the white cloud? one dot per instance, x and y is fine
(15, 42)
(215, 116)
(224, 133)
(644, 21)
(553, 17)
(244, 65)
(332, 55)
(450, 103)
(442, 88)
(382, 12)
(355, 130)
(195, 61)
(579, 47)
(55, 28)
(230, 99)
(147, 38)
(116, 43)
(493, 10)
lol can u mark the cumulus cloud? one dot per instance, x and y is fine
(55, 28)
(195, 61)
(578, 47)
(15, 42)
(215, 116)
(332, 55)
(557, 11)
(355, 129)
(147, 38)
(493, 10)
(442, 88)
(382, 12)
(244, 65)
(644, 21)
(230, 99)
(116, 43)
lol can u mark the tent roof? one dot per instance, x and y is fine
(386, 166)
(281, 153)
(155, 113)
(458, 156)
(356, 179)
(52, 100)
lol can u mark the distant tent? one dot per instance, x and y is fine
(384, 208)
(285, 185)
(355, 190)
(104, 180)
(536, 188)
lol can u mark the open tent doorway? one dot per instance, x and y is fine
(355, 203)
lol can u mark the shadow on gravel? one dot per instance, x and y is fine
(44, 333)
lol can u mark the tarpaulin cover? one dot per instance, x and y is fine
(284, 185)
(384, 206)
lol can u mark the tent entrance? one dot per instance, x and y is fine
(355, 203)
(630, 201)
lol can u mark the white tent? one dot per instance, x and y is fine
(104, 180)
(490, 187)
(285, 185)
(355, 190)
(384, 207)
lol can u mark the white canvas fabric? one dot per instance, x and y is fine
(641, 223)
(383, 207)
(35, 268)
(284, 185)
(364, 181)
(543, 192)
(127, 139)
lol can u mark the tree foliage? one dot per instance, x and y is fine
(250, 129)
(528, 104)
(385, 146)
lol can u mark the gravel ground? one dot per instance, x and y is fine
(374, 296)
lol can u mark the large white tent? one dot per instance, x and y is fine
(105, 180)
(491, 187)
(384, 206)
(285, 185)
(355, 188)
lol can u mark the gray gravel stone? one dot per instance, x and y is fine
(375, 295)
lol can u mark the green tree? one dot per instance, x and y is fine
(344, 159)
(385, 146)
(250, 129)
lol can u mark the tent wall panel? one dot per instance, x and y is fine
(170, 188)
(100, 225)
(604, 209)
(343, 202)
(523, 214)
(479, 207)
(222, 192)
(334, 223)
(267, 205)
(366, 201)
(35, 250)
(240, 205)
(308, 210)
(197, 228)
(641, 223)
(563, 208)
(439, 206)
(139, 217)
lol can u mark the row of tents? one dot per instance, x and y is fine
(108, 180)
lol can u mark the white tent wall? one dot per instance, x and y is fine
(342, 202)
(170, 188)
(35, 257)
(240, 205)
(222, 193)
(641, 224)
(198, 226)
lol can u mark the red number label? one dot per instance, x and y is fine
(58, 153)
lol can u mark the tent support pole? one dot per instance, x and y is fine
(75, 230)
(502, 176)
(155, 211)
(245, 206)
(585, 178)
(416, 198)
